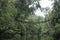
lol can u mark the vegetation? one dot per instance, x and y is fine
(18, 21)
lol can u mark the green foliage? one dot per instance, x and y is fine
(54, 18)
(17, 21)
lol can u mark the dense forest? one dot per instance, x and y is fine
(18, 21)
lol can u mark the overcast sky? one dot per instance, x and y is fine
(44, 4)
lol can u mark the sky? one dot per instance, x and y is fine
(44, 4)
